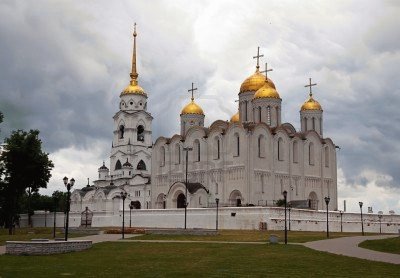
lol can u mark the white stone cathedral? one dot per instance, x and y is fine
(247, 161)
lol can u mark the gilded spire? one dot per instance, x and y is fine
(134, 75)
(133, 87)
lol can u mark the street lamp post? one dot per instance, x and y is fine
(289, 209)
(55, 215)
(216, 220)
(327, 199)
(68, 185)
(123, 194)
(341, 221)
(187, 149)
(362, 223)
(285, 199)
(130, 214)
(380, 222)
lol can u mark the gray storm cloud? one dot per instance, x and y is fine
(64, 63)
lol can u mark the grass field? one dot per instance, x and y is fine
(389, 245)
(250, 235)
(128, 259)
(29, 233)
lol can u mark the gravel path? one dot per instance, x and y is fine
(348, 246)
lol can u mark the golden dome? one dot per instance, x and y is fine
(235, 118)
(255, 82)
(311, 104)
(192, 108)
(266, 91)
(133, 88)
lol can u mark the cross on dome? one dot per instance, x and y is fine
(266, 71)
(310, 84)
(258, 56)
(192, 90)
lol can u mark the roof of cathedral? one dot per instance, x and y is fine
(255, 82)
(311, 104)
(192, 108)
(235, 118)
(133, 87)
(103, 167)
(266, 91)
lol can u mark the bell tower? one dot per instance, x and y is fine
(132, 129)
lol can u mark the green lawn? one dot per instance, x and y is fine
(249, 235)
(150, 259)
(29, 233)
(389, 245)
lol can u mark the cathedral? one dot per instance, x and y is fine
(249, 160)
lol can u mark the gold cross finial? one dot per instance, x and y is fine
(192, 90)
(134, 75)
(310, 85)
(266, 71)
(258, 57)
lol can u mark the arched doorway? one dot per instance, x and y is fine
(180, 201)
(235, 198)
(313, 200)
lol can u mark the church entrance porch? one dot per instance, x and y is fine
(235, 198)
(313, 201)
(180, 201)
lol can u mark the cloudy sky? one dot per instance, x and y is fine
(63, 65)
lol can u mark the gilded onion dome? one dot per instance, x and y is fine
(133, 87)
(255, 82)
(311, 104)
(266, 91)
(192, 108)
(235, 118)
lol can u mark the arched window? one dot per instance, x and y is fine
(162, 156)
(140, 133)
(141, 165)
(245, 111)
(178, 154)
(313, 123)
(118, 165)
(261, 146)
(259, 114)
(311, 154)
(295, 152)
(280, 149)
(216, 148)
(269, 115)
(196, 150)
(236, 143)
(305, 124)
(326, 156)
(121, 131)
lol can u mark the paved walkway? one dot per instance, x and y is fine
(348, 246)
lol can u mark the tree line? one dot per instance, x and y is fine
(24, 169)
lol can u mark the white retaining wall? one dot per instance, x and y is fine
(246, 218)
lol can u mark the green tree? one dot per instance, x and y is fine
(25, 168)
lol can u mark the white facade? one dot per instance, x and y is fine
(247, 162)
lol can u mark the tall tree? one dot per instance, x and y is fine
(25, 167)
